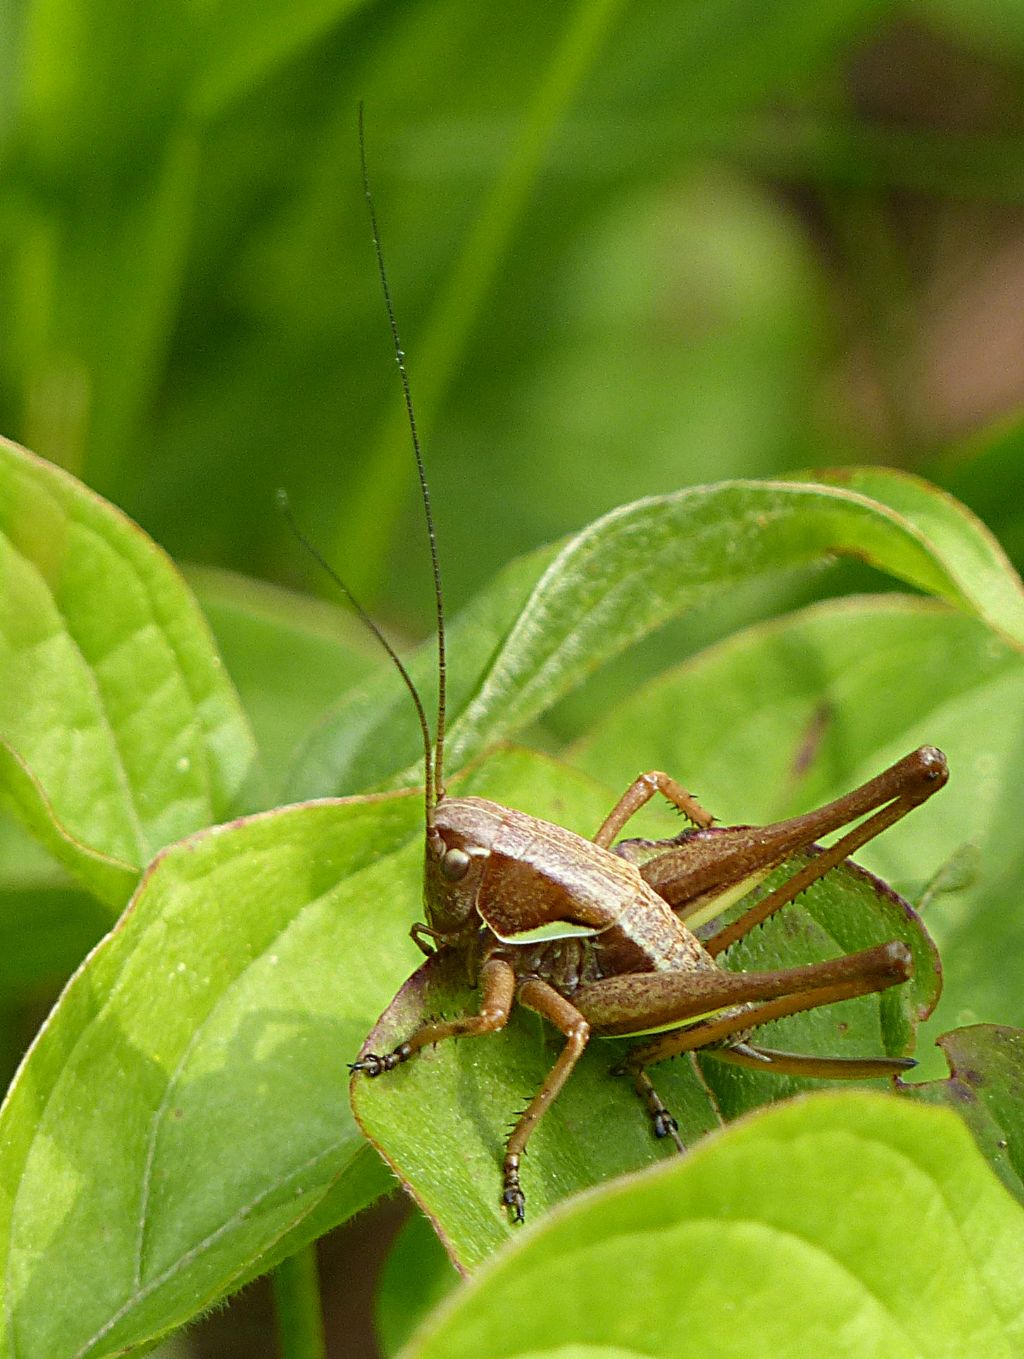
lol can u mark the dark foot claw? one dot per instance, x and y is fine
(513, 1197)
(515, 1201)
(664, 1124)
(373, 1065)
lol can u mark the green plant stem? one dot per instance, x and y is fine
(300, 1322)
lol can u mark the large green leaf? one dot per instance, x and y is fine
(546, 624)
(182, 1119)
(643, 563)
(289, 655)
(845, 1225)
(211, 1029)
(119, 731)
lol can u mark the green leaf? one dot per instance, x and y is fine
(986, 1088)
(644, 563)
(182, 1121)
(107, 877)
(119, 731)
(789, 714)
(212, 1026)
(846, 1225)
(289, 655)
(979, 470)
(441, 1120)
(968, 549)
(370, 734)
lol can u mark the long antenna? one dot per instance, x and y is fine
(285, 507)
(438, 775)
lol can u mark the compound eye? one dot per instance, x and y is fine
(455, 865)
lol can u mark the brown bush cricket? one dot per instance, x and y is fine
(592, 935)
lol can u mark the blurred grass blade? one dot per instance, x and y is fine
(364, 533)
(244, 45)
(92, 288)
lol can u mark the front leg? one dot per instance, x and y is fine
(498, 983)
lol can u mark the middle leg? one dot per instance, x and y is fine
(549, 1004)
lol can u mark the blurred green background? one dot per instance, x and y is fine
(632, 246)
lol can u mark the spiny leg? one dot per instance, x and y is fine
(547, 1002)
(800, 881)
(857, 974)
(820, 1068)
(639, 792)
(498, 984)
(902, 787)
(626, 1005)
(732, 1002)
